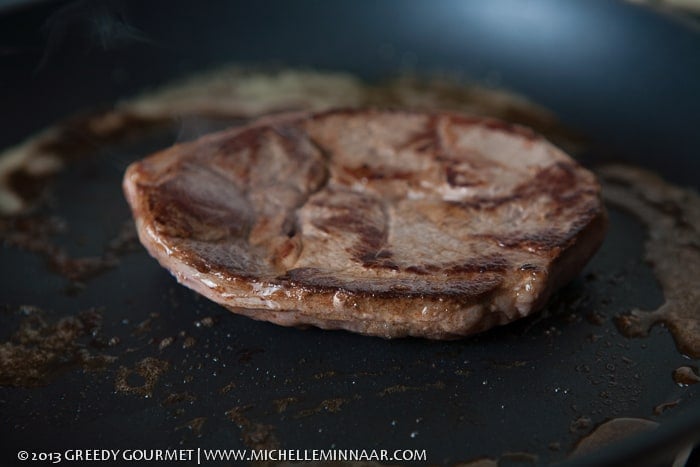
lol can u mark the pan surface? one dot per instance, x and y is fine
(136, 361)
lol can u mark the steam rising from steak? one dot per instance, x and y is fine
(235, 93)
(387, 223)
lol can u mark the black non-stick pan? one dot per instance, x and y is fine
(140, 362)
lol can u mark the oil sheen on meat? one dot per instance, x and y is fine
(388, 223)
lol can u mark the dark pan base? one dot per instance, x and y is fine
(540, 385)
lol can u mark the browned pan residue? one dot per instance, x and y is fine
(672, 215)
(40, 349)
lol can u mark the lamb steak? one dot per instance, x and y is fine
(382, 222)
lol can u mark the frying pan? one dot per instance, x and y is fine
(625, 77)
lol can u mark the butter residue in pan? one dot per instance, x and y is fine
(41, 350)
(610, 432)
(672, 216)
(686, 375)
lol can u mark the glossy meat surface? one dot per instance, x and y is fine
(388, 223)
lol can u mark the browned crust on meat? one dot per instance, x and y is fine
(387, 223)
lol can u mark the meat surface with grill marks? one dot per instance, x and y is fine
(388, 223)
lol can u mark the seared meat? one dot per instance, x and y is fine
(389, 223)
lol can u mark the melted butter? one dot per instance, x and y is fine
(685, 375)
(664, 406)
(610, 432)
(255, 303)
(672, 215)
(157, 239)
(266, 290)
